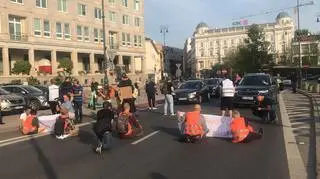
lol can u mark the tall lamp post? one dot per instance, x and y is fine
(299, 43)
(105, 53)
(164, 29)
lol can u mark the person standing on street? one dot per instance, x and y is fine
(151, 90)
(1, 121)
(65, 88)
(77, 92)
(94, 91)
(228, 92)
(53, 96)
(126, 89)
(294, 80)
(167, 90)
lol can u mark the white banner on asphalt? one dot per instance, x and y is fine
(48, 122)
(218, 126)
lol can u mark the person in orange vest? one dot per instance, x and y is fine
(31, 124)
(194, 125)
(241, 131)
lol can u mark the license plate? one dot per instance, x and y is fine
(247, 98)
(182, 99)
(18, 107)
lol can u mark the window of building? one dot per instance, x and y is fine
(125, 3)
(86, 34)
(211, 44)
(201, 65)
(46, 28)
(202, 54)
(211, 53)
(62, 5)
(140, 41)
(59, 30)
(15, 28)
(125, 19)
(112, 1)
(67, 31)
(124, 38)
(101, 35)
(137, 21)
(128, 39)
(41, 3)
(82, 9)
(112, 16)
(217, 42)
(17, 1)
(97, 13)
(96, 35)
(79, 33)
(135, 40)
(37, 27)
(137, 5)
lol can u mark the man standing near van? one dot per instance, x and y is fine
(53, 96)
(77, 92)
(228, 92)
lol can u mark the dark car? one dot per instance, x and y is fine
(44, 89)
(11, 102)
(33, 96)
(191, 91)
(253, 84)
(214, 86)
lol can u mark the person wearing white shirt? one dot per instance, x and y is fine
(228, 91)
(53, 95)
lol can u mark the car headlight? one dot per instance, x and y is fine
(263, 91)
(192, 95)
(42, 98)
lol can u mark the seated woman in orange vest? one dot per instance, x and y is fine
(242, 132)
(31, 124)
(194, 126)
(127, 125)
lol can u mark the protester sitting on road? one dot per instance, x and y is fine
(241, 131)
(24, 115)
(31, 124)
(103, 127)
(64, 127)
(264, 108)
(127, 125)
(68, 105)
(194, 125)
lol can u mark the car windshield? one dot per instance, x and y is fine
(4, 92)
(212, 82)
(255, 81)
(32, 89)
(190, 85)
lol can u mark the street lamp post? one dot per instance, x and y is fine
(105, 54)
(164, 30)
(299, 43)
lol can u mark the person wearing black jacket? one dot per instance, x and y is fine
(264, 108)
(103, 127)
(294, 80)
(151, 90)
(65, 88)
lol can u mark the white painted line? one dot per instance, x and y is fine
(145, 137)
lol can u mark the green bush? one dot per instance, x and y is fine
(21, 67)
(33, 81)
(17, 82)
(66, 64)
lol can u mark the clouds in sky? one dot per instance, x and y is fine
(182, 16)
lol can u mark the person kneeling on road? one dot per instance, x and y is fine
(264, 108)
(241, 131)
(127, 125)
(31, 124)
(64, 126)
(194, 125)
(103, 127)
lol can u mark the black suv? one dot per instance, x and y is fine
(214, 86)
(191, 91)
(33, 96)
(253, 84)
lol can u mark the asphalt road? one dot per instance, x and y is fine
(161, 156)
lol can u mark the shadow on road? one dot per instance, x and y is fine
(48, 168)
(87, 138)
(155, 175)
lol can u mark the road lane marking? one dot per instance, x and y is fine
(145, 137)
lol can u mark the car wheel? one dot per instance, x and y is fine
(34, 104)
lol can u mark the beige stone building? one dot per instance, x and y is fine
(210, 45)
(154, 60)
(46, 31)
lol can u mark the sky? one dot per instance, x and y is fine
(182, 16)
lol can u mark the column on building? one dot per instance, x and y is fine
(5, 60)
(144, 64)
(31, 61)
(54, 64)
(91, 59)
(120, 62)
(74, 59)
(133, 65)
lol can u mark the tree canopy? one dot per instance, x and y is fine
(21, 67)
(66, 64)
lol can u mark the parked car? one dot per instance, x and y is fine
(33, 96)
(44, 89)
(253, 84)
(191, 91)
(214, 86)
(11, 102)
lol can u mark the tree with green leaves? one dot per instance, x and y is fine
(21, 67)
(66, 64)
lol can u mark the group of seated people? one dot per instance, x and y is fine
(30, 123)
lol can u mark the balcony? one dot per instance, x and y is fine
(19, 37)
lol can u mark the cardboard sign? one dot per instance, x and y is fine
(125, 92)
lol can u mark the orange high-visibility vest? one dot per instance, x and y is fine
(193, 126)
(239, 129)
(27, 125)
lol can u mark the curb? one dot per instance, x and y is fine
(296, 168)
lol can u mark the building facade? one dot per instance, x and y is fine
(210, 46)
(309, 48)
(174, 59)
(45, 31)
(154, 60)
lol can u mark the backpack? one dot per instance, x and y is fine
(122, 124)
